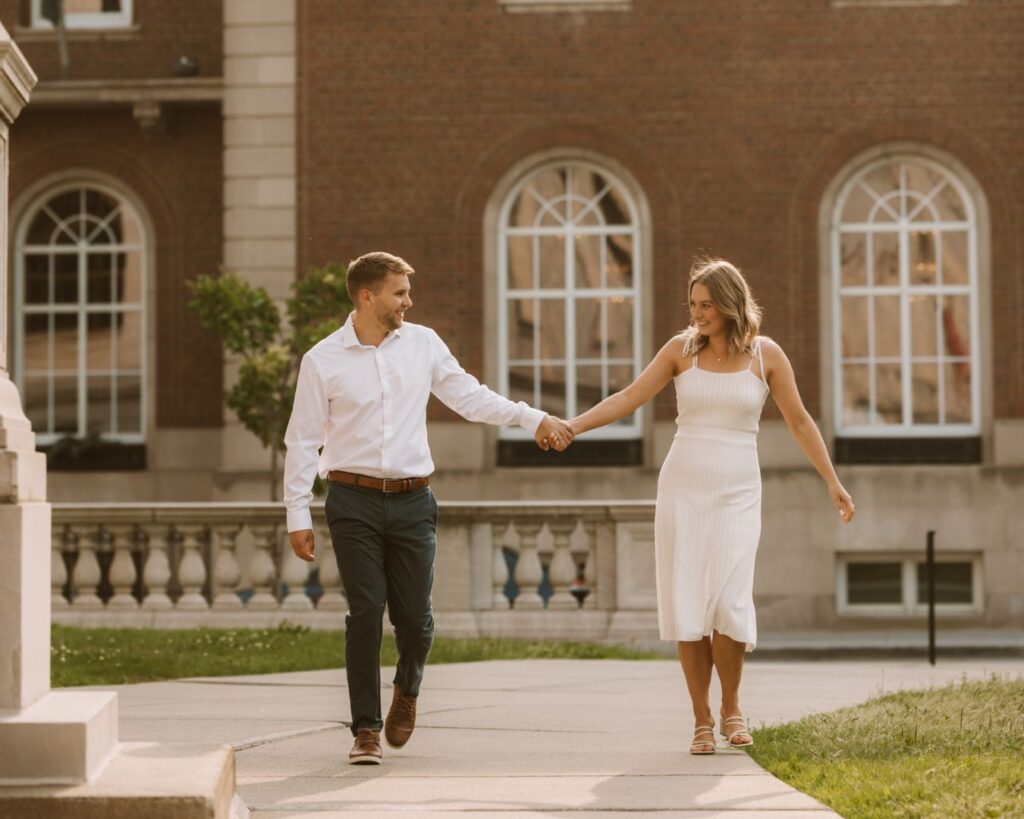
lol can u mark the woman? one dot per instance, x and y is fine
(708, 511)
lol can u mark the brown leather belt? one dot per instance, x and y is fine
(386, 485)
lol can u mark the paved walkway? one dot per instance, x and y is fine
(537, 738)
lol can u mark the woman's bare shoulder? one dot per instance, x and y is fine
(677, 348)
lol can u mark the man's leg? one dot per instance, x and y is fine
(356, 518)
(409, 566)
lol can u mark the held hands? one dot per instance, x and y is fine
(842, 500)
(302, 544)
(554, 432)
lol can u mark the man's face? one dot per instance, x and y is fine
(391, 301)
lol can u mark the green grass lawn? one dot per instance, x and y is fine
(952, 752)
(82, 656)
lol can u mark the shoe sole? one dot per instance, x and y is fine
(364, 760)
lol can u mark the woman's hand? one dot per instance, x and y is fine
(842, 500)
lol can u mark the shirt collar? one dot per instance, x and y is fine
(350, 339)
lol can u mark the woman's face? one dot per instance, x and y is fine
(709, 321)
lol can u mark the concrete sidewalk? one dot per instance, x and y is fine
(604, 738)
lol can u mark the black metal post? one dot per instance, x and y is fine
(930, 569)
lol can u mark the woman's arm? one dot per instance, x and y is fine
(648, 384)
(782, 381)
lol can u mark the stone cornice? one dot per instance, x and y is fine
(16, 78)
(70, 93)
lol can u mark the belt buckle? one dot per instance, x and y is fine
(384, 486)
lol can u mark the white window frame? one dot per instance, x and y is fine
(97, 20)
(910, 606)
(903, 228)
(634, 429)
(82, 309)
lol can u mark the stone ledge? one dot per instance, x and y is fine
(154, 780)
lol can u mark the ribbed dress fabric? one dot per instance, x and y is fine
(707, 520)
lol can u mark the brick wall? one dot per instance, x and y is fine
(734, 116)
(178, 178)
(162, 32)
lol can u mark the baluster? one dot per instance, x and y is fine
(58, 571)
(87, 575)
(122, 569)
(584, 553)
(191, 571)
(295, 574)
(562, 570)
(262, 573)
(156, 571)
(333, 598)
(529, 572)
(499, 572)
(226, 573)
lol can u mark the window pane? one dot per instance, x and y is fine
(98, 343)
(129, 404)
(922, 325)
(885, 257)
(588, 387)
(889, 394)
(925, 391)
(922, 179)
(949, 205)
(887, 326)
(520, 263)
(552, 390)
(37, 278)
(852, 259)
(37, 342)
(522, 317)
(551, 260)
(922, 257)
(883, 179)
(129, 341)
(855, 326)
(91, 6)
(868, 583)
(953, 582)
(520, 385)
(65, 341)
(99, 277)
(858, 205)
(65, 397)
(588, 261)
(620, 327)
(552, 329)
(956, 325)
(856, 395)
(958, 393)
(619, 261)
(97, 410)
(588, 328)
(954, 258)
(65, 278)
(35, 401)
(584, 185)
(42, 231)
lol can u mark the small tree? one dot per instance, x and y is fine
(249, 325)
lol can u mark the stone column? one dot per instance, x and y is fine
(45, 737)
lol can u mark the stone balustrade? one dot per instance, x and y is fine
(505, 569)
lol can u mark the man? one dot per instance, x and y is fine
(362, 395)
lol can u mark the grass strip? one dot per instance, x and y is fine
(955, 751)
(83, 656)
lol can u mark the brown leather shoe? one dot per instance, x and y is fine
(401, 719)
(366, 750)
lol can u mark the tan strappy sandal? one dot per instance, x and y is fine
(703, 730)
(746, 740)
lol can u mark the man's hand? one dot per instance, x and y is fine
(302, 544)
(553, 432)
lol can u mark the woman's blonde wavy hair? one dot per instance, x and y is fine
(731, 295)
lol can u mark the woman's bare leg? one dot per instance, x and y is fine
(696, 660)
(727, 655)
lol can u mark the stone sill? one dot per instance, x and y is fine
(24, 34)
(63, 93)
(894, 3)
(564, 6)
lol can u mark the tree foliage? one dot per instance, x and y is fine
(249, 325)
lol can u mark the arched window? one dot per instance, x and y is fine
(569, 292)
(79, 319)
(904, 250)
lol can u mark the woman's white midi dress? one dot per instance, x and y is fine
(707, 519)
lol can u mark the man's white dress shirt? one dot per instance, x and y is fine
(367, 407)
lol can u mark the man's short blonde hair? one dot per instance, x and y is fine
(371, 269)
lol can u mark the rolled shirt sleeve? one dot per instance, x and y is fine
(303, 439)
(471, 399)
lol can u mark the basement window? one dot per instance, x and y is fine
(897, 585)
(82, 14)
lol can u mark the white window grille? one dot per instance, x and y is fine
(80, 323)
(83, 14)
(896, 584)
(904, 258)
(569, 293)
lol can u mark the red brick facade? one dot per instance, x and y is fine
(733, 116)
